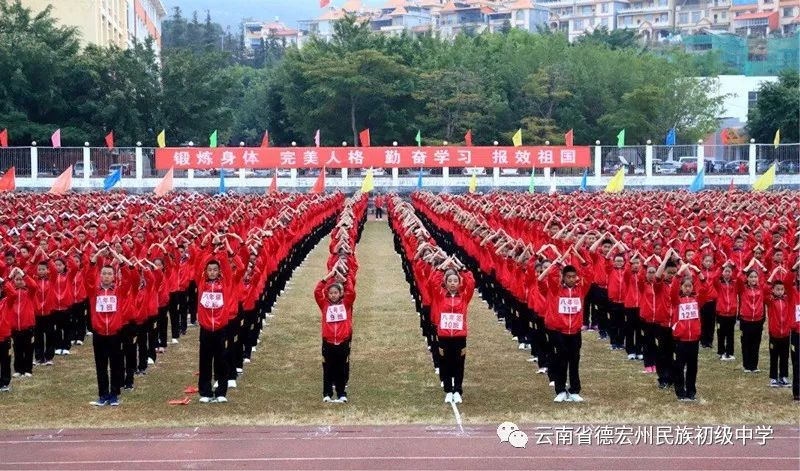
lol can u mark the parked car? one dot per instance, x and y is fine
(509, 171)
(788, 166)
(715, 166)
(126, 169)
(284, 172)
(688, 164)
(77, 169)
(203, 172)
(737, 166)
(763, 165)
(474, 171)
(262, 172)
(668, 167)
(376, 172)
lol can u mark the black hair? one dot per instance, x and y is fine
(777, 282)
(670, 264)
(568, 269)
(606, 241)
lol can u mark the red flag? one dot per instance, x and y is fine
(8, 181)
(723, 136)
(4, 138)
(568, 138)
(363, 136)
(273, 185)
(324, 3)
(110, 140)
(319, 185)
(468, 137)
(265, 139)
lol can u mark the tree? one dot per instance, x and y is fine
(617, 39)
(777, 107)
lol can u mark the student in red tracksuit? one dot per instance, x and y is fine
(727, 306)
(63, 271)
(665, 308)
(648, 287)
(5, 348)
(616, 300)
(793, 282)
(18, 306)
(708, 309)
(633, 329)
(108, 291)
(686, 328)
(80, 309)
(335, 296)
(451, 293)
(565, 306)
(780, 326)
(214, 298)
(44, 345)
(751, 318)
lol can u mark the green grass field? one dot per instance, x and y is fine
(392, 379)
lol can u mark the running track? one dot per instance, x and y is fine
(373, 447)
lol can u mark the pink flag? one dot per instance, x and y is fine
(55, 139)
(165, 185)
(568, 138)
(316, 138)
(63, 183)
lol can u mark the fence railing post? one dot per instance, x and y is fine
(648, 159)
(139, 163)
(34, 161)
(293, 178)
(87, 162)
(701, 156)
(345, 176)
(598, 162)
(445, 176)
(395, 176)
(752, 160)
(495, 176)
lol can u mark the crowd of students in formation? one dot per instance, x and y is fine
(335, 294)
(133, 271)
(657, 274)
(653, 273)
(442, 289)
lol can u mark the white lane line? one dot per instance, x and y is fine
(458, 417)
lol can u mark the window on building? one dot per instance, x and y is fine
(695, 16)
(664, 17)
(788, 12)
(604, 7)
(683, 18)
(648, 18)
(586, 10)
(628, 21)
(578, 24)
(752, 98)
(723, 15)
(663, 3)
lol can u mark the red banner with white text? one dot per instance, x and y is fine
(184, 158)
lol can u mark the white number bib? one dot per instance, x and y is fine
(569, 305)
(688, 311)
(336, 313)
(106, 304)
(452, 321)
(797, 312)
(211, 300)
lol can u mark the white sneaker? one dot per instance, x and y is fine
(448, 398)
(521, 346)
(174, 341)
(731, 358)
(16, 375)
(150, 361)
(221, 399)
(515, 338)
(205, 400)
(59, 352)
(631, 356)
(327, 399)
(216, 384)
(575, 398)
(246, 360)
(253, 349)
(436, 370)
(342, 400)
(239, 370)
(531, 360)
(66, 352)
(552, 383)
(457, 398)
(541, 371)
(640, 357)
(79, 342)
(28, 375)
(49, 363)
(527, 346)
(231, 383)
(561, 397)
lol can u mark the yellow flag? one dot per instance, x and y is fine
(162, 138)
(766, 180)
(473, 183)
(617, 184)
(777, 140)
(368, 184)
(517, 139)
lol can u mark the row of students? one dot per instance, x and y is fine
(151, 274)
(615, 265)
(442, 288)
(335, 295)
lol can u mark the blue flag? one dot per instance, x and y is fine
(670, 140)
(222, 181)
(698, 183)
(419, 179)
(584, 179)
(112, 179)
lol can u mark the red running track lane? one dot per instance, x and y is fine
(373, 447)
